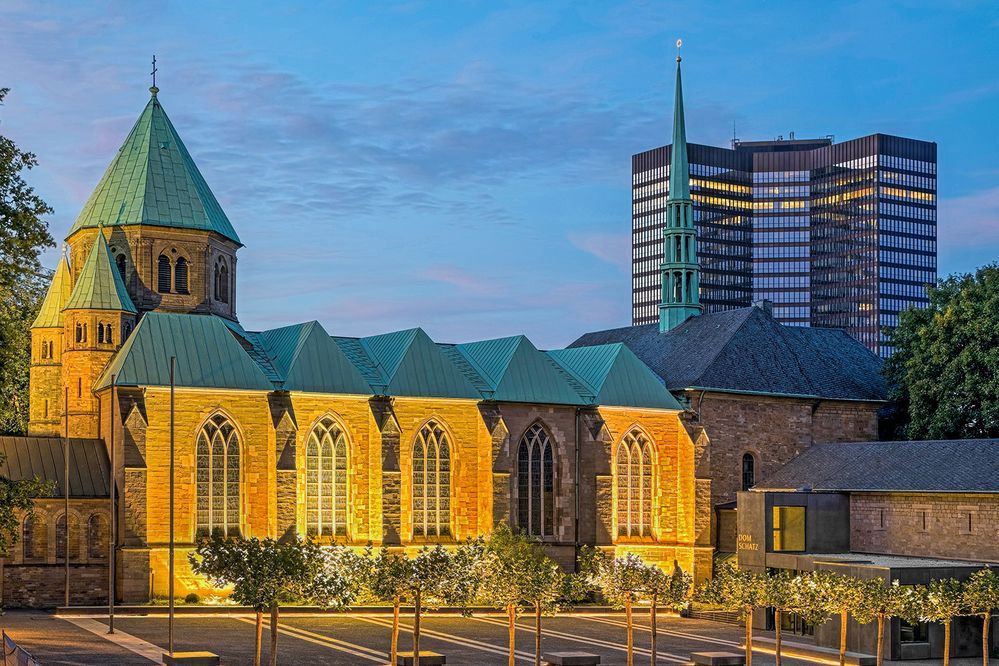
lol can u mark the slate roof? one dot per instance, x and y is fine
(153, 180)
(50, 314)
(953, 466)
(213, 352)
(99, 285)
(43, 457)
(748, 351)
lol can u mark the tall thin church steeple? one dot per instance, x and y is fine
(680, 271)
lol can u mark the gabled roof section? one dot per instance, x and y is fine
(616, 377)
(153, 180)
(951, 466)
(23, 458)
(99, 285)
(513, 370)
(307, 359)
(748, 351)
(208, 355)
(410, 364)
(50, 314)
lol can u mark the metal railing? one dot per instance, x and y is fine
(15, 655)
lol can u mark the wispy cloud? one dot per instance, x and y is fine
(614, 249)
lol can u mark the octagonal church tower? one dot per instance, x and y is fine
(153, 219)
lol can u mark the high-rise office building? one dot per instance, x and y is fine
(839, 235)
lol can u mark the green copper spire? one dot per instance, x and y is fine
(50, 314)
(99, 286)
(153, 181)
(680, 271)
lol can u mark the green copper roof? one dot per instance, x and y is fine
(309, 360)
(515, 371)
(50, 314)
(615, 376)
(679, 170)
(153, 180)
(208, 355)
(412, 365)
(99, 285)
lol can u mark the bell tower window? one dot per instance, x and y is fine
(163, 278)
(180, 276)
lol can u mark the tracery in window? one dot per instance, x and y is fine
(217, 478)
(536, 483)
(163, 277)
(326, 480)
(634, 485)
(431, 482)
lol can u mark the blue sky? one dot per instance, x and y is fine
(465, 166)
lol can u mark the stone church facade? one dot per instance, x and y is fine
(391, 440)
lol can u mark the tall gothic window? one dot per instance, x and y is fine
(218, 478)
(163, 280)
(120, 262)
(221, 282)
(634, 486)
(431, 482)
(180, 276)
(62, 538)
(536, 483)
(748, 471)
(326, 480)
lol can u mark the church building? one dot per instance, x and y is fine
(393, 439)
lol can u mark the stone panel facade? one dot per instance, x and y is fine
(949, 526)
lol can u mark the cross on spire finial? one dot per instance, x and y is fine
(154, 89)
(679, 43)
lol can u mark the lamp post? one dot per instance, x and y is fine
(173, 361)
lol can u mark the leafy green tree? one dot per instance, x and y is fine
(941, 601)
(831, 593)
(265, 573)
(981, 598)
(388, 578)
(23, 235)
(781, 591)
(739, 591)
(621, 580)
(881, 601)
(17, 499)
(665, 590)
(517, 574)
(942, 374)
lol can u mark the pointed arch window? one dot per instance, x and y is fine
(180, 276)
(97, 537)
(634, 486)
(31, 531)
(163, 277)
(326, 480)
(120, 262)
(431, 482)
(217, 478)
(536, 483)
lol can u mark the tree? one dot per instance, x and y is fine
(834, 593)
(620, 579)
(667, 590)
(435, 577)
(264, 573)
(781, 592)
(941, 601)
(23, 235)
(881, 601)
(981, 598)
(17, 499)
(736, 590)
(517, 574)
(941, 375)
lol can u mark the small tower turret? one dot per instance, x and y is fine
(47, 343)
(680, 270)
(97, 318)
